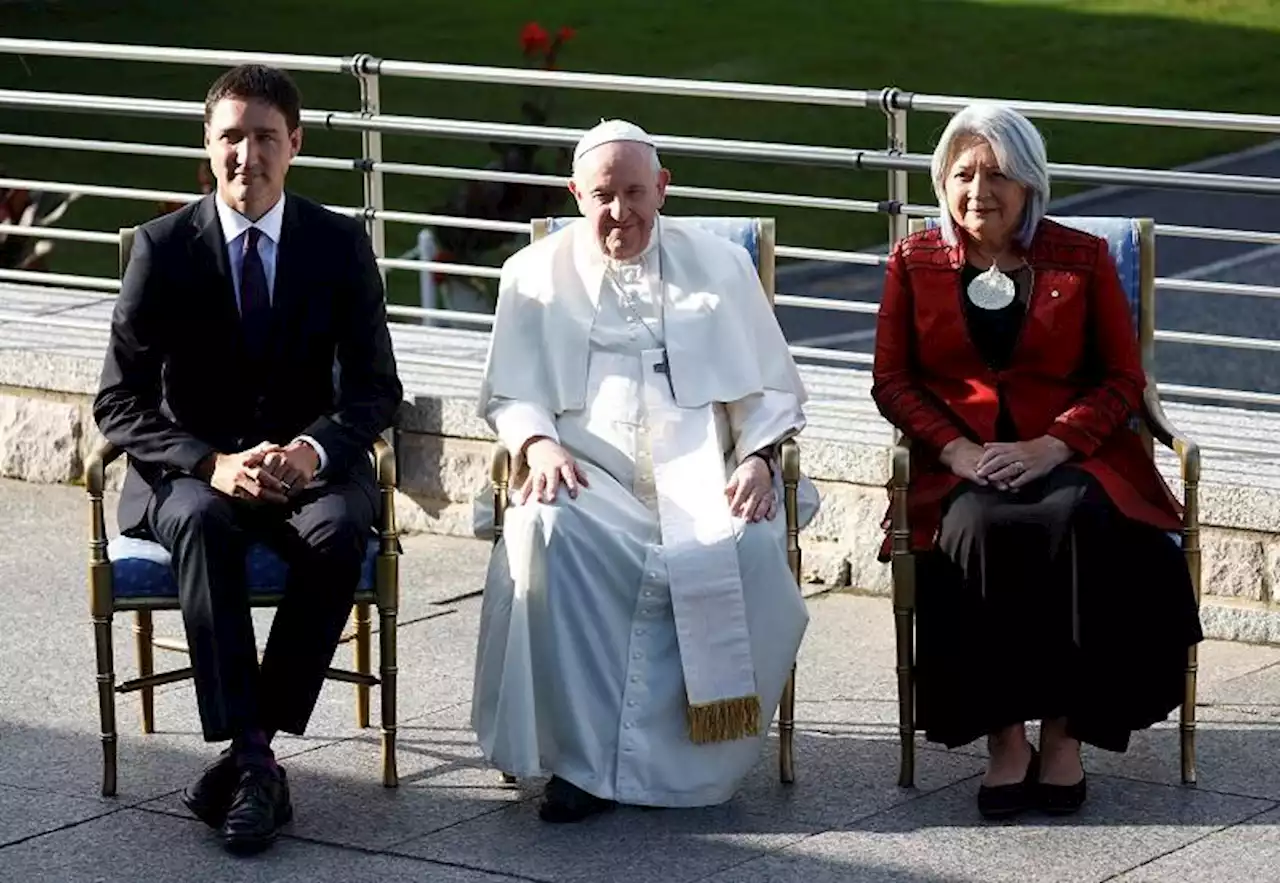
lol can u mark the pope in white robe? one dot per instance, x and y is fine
(639, 618)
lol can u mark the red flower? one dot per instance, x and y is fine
(534, 38)
(565, 34)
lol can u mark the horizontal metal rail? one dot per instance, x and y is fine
(826, 303)
(1238, 396)
(465, 73)
(1094, 113)
(1218, 234)
(838, 257)
(814, 352)
(173, 55)
(440, 267)
(39, 278)
(64, 233)
(136, 148)
(101, 190)
(1226, 341)
(485, 319)
(1200, 286)
(449, 221)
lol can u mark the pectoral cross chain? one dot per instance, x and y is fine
(664, 368)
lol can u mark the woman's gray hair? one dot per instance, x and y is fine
(1019, 148)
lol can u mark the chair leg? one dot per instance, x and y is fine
(903, 617)
(508, 779)
(387, 663)
(106, 700)
(144, 635)
(1187, 725)
(363, 663)
(787, 730)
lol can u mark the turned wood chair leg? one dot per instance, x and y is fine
(144, 636)
(363, 662)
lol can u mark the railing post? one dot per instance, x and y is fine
(365, 68)
(897, 131)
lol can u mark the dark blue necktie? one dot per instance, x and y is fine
(255, 297)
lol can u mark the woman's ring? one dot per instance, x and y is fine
(1021, 467)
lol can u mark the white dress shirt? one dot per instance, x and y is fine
(235, 227)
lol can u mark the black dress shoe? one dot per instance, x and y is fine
(259, 807)
(1005, 801)
(563, 802)
(209, 796)
(1061, 800)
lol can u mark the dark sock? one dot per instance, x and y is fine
(253, 748)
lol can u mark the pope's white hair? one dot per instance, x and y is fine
(655, 163)
(1019, 148)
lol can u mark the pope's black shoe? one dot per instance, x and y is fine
(259, 807)
(563, 802)
(209, 796)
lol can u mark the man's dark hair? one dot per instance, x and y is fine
(268, 84)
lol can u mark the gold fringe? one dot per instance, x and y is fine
(724, 720)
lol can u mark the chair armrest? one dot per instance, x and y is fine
(500, 470)
(500, 465)
(95, 468)
(384, 463)
(789, 454)
(1163, 431)
(901, 464)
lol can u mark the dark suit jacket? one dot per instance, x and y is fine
(177, 384)
(1076, 373)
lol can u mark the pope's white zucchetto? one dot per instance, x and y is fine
(609, 131)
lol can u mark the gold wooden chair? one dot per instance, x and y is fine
(757, 236)
(1132, 245)
(127, 574)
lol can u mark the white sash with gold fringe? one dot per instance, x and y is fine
(700, 548)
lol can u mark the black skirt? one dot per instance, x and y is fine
(1049, 603)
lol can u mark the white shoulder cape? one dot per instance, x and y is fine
(723, 341)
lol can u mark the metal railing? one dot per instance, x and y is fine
(893, 160)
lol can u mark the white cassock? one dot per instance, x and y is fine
(607, 618)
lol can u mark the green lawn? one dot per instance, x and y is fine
(1201, 54)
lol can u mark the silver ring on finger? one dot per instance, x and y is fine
(1021, 466)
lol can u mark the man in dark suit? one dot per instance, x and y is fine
(248, 373)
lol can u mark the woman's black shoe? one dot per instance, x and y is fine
(564, 802)
(1004, 801)
(1061, 800)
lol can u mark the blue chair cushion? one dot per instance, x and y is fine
(741, 231)
(140, 569)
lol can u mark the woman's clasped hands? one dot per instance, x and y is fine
(1006, 466)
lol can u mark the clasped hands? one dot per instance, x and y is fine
(1006, 466)
(266, 473)
(749, 491)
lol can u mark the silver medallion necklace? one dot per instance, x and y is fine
(991, 290)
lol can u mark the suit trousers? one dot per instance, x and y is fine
(322, 535)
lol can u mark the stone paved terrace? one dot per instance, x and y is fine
(49, 372)
(452, 821)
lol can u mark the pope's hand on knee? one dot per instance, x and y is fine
(550, 466)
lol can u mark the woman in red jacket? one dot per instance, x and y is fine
(1050, 588)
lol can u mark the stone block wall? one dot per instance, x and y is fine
(47, 433)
